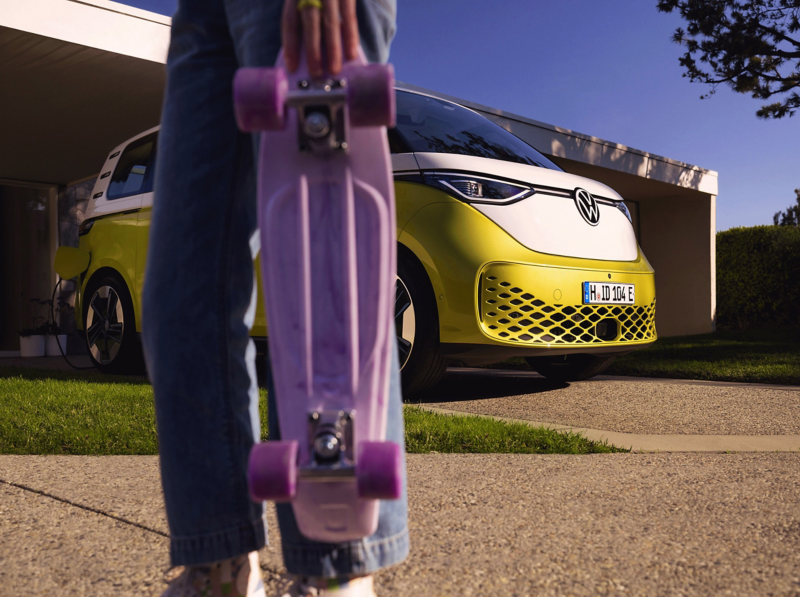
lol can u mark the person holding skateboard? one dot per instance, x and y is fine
(199, 300)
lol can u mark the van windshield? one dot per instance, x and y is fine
(428, 124)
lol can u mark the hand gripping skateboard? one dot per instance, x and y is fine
(327, 220)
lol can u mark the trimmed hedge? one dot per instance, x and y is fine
(758, 277)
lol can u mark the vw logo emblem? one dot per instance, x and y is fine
(587, 206)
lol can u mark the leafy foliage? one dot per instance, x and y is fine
(749, 45)
(790, 217)
(758, 277)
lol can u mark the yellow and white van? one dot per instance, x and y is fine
(500, 253)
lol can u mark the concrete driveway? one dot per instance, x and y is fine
(629, 524)
(644, 414)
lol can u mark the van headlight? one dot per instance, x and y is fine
(478, 189)
(624, 209)
(85, 227)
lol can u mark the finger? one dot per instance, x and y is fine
(290, 30)
(311, 38)
(349, 28)
(333, 38)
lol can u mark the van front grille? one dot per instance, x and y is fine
(511, 314)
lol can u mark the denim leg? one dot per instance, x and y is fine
(199, 297)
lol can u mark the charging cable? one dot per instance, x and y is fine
(53, 319)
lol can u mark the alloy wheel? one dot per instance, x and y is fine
(104, 325)
(404, 322)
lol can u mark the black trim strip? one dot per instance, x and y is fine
(96, 195)
(606, 201)
(554, 193)
(409, 177)
(511, 202)
(480, 297)
(113, 155)
(111, 215)
(543, 189)
(567, 195)
(105, 175)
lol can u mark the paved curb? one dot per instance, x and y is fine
(657, 443)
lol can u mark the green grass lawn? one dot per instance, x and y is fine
(433, 432)
(756, 356)
(52, 412)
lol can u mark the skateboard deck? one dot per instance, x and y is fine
(327, 220)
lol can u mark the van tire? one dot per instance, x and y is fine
(107, 354)
(425, 366)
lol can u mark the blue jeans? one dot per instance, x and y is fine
(199, 299)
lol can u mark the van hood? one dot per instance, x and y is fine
(549, 221)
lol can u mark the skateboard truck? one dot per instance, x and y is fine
(320, 114)
(330, 436)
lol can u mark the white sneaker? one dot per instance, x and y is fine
(237, 577)
(303, 586)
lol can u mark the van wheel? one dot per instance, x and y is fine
(570, 367)
(110, 327)
(416, 320)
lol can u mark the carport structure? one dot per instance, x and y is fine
(80, 76)
(76, 78)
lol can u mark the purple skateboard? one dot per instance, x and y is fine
(327, 219)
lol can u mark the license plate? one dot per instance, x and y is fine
(607, 293)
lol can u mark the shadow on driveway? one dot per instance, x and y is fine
(481, 384)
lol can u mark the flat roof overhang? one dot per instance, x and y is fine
(78, 78)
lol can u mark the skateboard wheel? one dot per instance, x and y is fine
(378, 471)
(272, 471)
(259, 98)
(370, 95)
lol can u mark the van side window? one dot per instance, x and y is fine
(133, 169)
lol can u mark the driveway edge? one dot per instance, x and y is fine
(656, 443)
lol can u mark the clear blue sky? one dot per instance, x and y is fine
(606, 69)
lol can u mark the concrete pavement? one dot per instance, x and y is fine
(627, 524)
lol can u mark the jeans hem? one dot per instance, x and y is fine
(356, 557)
(219, 545)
